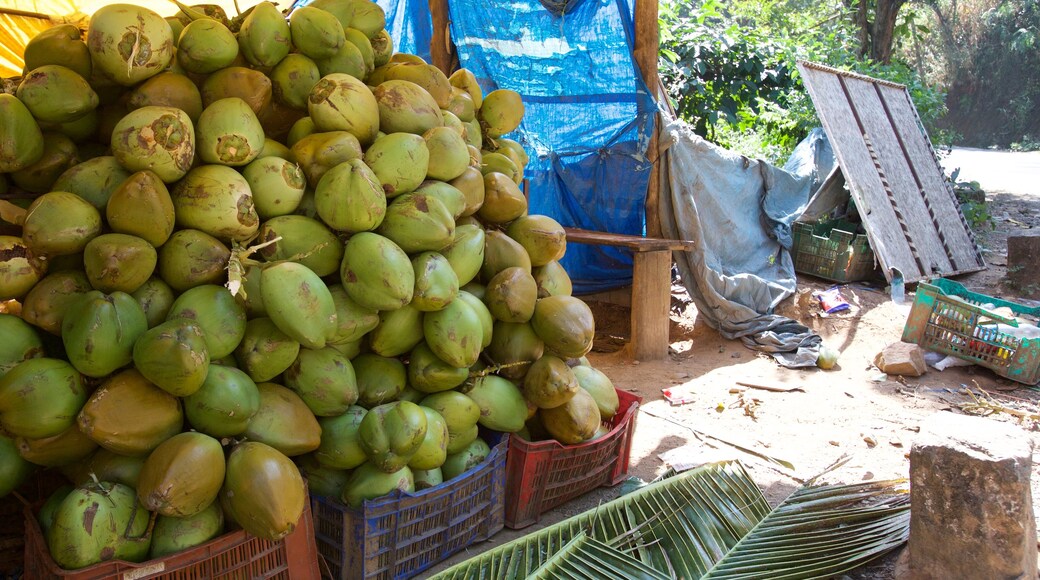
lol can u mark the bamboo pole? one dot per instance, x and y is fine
(440, 43)
(645, 53)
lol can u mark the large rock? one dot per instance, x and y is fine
(901, 358)
(971, 510)
(1022, 254)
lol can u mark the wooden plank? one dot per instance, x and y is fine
(938, 195)
(634, 243)
(651, 300)
(883, 228)
(924, 238)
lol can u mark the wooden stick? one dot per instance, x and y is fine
(773, 388)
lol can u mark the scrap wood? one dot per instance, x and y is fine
(983, 405)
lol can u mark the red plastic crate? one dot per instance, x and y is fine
(541, 475)
(401, 534)
(235, 554)
(12, 523)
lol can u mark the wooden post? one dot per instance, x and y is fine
(440, 49)
(651, 301)
(647, 46)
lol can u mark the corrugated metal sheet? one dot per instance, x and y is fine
(908, 208)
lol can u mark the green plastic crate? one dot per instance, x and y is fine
(948, 318)
(833, 251)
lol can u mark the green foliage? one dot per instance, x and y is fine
(987, 53)
(1028, 143)
(972, 200)
(730, 69)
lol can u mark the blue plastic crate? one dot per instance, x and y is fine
(401, 534)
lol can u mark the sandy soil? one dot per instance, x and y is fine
(852, 411)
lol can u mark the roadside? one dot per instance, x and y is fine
(852, 412)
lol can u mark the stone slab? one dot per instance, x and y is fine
(1023, 264)
(971, 512)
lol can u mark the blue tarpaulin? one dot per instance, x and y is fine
(410, 25)
(588, 115)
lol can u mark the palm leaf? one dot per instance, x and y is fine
(709, 522)
(821, 532)
(585, 558)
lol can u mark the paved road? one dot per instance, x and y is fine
(997, 171)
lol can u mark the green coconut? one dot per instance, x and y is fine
(301, 239)
(265, 351)
(264, 38)
(454, 333)
(277, 185)
(59, 223)
(21, 144)
(405, 107)
(214, 309)
(379, 379)
(40, 398)
(193, 258)
(173, 356)
(398, 331)
(340, 446)
(99, 332)
(61, 44)
(376, 273)
(515, 346)
(340, 102)
(502, 405)
(21, 342)
(392, 433)
(129, 43)
(128, 414)
(141, 206)
(284, 422)
(118, 262)
(263, 490)
(229, 133)
(158, 138)
(224, 404)
(20, 268)
(565, 324)
(205, 46)
(350, 197)
(436, 283)
(293, 78)
(325, 379)
(511, 295)
(299, 303)
(182, 476)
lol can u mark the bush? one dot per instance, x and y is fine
(731, 72)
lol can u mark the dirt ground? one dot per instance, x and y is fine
(851, 411)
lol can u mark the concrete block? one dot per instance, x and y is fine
(1023, 258)
(971, 511)
(901, 358)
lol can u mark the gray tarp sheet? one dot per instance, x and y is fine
(739, 213)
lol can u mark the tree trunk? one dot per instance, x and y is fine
(883, 34)
(863, 28)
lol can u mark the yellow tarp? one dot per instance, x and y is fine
(20, 20)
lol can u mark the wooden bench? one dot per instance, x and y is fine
(651, 287)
